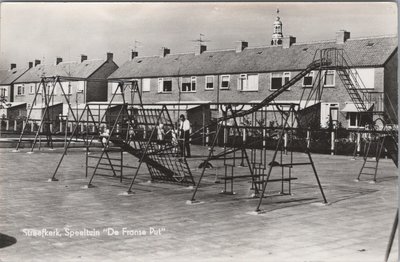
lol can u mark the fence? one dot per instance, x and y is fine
(337, 141)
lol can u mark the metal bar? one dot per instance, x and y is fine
(206, 163)
(66, 148)
(29, 115)
(392, 235)
(264, 186)
(141, 160)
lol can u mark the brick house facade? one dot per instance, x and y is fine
(9, 108)
(84, 81)
(251, 74)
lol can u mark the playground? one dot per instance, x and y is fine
(252, 188)
(355, 226)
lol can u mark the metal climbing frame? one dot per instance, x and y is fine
(47, 85)
(132, 128)
(388, 137)
(258, 165)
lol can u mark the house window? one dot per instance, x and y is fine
(146, 85)
(50, 89)
(167, 86)
(224, 82)
(20, 90)
(80, 86)
(308, 79)
(286, 77)
(66, 87)
(164, 86)
(209, 82)
(242, 82)
(279, 79)
(3, 92)
(365, 77)
(193, 83)
(248, 82)
(329, 78)
(115, 88)
(69, 91)
(39, 88)
(31, 88)
(188, 84)
(353, 119)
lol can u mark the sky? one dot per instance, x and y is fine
(45, 31)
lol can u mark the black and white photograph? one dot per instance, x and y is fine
(199, 131)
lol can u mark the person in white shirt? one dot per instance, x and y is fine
(184, 134)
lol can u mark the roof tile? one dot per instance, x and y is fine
(264, 59)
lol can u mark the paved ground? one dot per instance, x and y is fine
(354, 227)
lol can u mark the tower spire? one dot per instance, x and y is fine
(277, 33)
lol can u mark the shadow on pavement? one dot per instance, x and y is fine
(6, 240)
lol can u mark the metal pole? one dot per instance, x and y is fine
(392, 235)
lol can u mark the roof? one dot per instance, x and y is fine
(7, 77)
(64, 69)
(366, 52)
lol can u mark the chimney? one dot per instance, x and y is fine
(83, 58)
(30, 64)
(342, 36)
(110, 56)
(134, 54)
(200, 49)
(288, 41)
(37, 62)
(241, 45)
(58, 60)
(12, 66)
(164, 51)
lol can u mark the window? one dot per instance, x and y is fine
(279, 79)
(193, 83)
(39, 88)
(50, 89)
(225, 82)
(146, 85)
(209, 82)
(286, 77)
(365, 77)
(308, 79)
(329, 78)
(242, 82)
(66, 87)
(188, 84)
(356, 120)
(353, 119)
(160, 85)
(248, 82)
(115, 88)
(20, 90)
(167, 86)
(32, 88)
(164, 86)
(3, 92)
(80, 86)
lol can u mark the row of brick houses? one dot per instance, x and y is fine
(84, 81)
(251, 74)
(240, 75)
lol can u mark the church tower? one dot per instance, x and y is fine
(277, 35)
